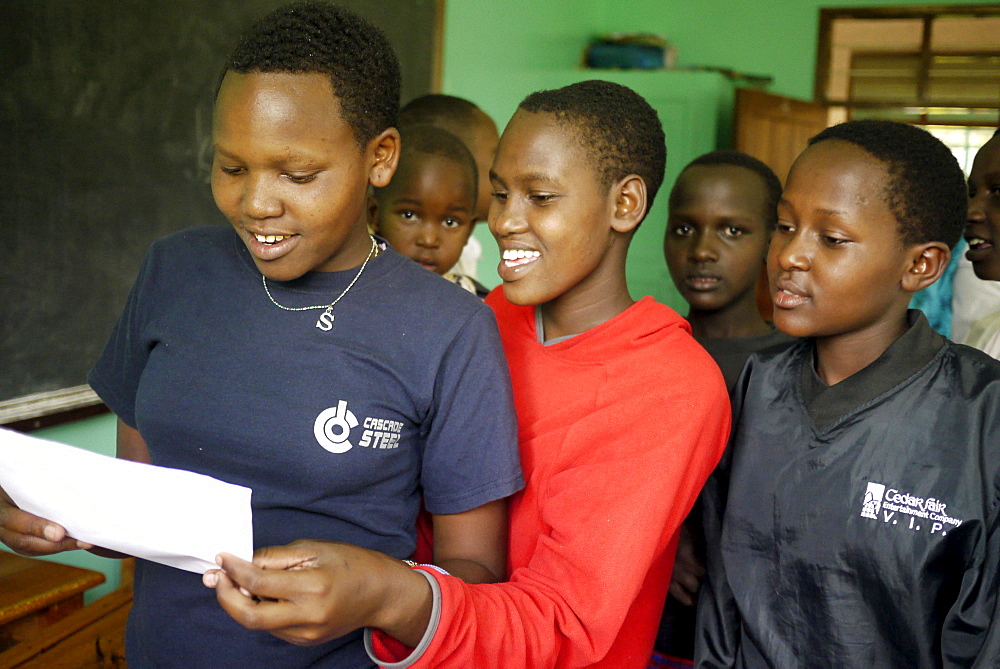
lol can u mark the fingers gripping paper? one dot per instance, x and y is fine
(174, 517)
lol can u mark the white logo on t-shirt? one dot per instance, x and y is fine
(333, 428)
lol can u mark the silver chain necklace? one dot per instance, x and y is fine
(325, 322)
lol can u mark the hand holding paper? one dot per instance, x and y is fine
(174, 517)
(27, 534)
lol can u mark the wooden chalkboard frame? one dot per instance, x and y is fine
(96, 96)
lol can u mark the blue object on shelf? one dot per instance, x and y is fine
(625, 56)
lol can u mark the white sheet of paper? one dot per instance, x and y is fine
(174, 517)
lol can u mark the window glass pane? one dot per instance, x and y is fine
(964, 142)
(965, 33)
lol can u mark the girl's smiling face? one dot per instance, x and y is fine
(550, 214)
(983, 229)
(289, 174)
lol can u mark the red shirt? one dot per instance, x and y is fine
(619, 427)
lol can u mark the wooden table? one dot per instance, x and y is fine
(36, 593)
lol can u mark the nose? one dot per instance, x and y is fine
(977, 211)
(702, 248)
(506, 219)
(427, 235)
(260, 198)
(788, 251)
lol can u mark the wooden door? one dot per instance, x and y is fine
(775, 130)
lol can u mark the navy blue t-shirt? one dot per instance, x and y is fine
(338, 433)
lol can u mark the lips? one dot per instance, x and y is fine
(427, 263)
(787, 295)
(980, 248)
(699, 282)
(270, 245)
(516, 261)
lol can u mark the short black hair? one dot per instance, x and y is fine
(431, 140)
(438, 109)
(619, 130)
(318, 37)
(926, 189)
(772, 183)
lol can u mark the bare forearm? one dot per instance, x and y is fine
(470, 571)
(405, 609)
(472, 545)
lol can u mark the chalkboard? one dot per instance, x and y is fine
(105, 146)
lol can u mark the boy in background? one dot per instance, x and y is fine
(478, 132)
(607, 390)
(983, 234)
(854, 520)
(723, 208)
(427, 210)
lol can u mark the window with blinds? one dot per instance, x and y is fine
(929, 65)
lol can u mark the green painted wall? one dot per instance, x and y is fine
(493, 51)
(771, 38)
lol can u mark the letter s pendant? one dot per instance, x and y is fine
(325, 322)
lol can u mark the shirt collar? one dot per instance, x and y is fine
(904, 357)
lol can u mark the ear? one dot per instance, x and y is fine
(383, 151)
(630, 203)
(371, 209)
(927, 262)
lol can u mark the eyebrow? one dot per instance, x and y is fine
(991, 175)
(830, 212)
(538, 177)
(418, 203)
(821, 210)
(529, 177)
(302, 160)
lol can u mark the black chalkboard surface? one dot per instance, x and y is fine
(105, 146)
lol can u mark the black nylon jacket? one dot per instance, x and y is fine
(866, 537)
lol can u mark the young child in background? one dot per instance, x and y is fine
(854, 520)
(293, 354)
(478, 132)
(723, 208)
(426, 212)
(607, 390)
(983, 234)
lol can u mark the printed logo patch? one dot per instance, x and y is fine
(333, 428)
(381, 433)
(873, 500)
(890, 505)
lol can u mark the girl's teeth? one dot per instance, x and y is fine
(519, 254)
(270, 239)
